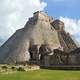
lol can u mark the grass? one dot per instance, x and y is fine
(42, 74)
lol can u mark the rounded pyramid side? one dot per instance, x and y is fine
(14, 48)
(38, 30)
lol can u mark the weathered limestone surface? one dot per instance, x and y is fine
(65, 39)
(40, 30)
(37, 31)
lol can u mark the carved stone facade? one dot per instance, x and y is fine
(37, 41)
(61, 58)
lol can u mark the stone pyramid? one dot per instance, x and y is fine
(40, 29)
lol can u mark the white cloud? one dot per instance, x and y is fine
(72, 26)
(14, 14)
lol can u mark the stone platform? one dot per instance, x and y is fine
(62, 67)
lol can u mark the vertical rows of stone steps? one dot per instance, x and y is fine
(68, 41)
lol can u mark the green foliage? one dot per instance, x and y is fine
(4, 67)
(20, 69)
(13, 68)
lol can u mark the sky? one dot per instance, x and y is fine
(15, 13)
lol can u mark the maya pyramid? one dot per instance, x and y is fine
(40, 29)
